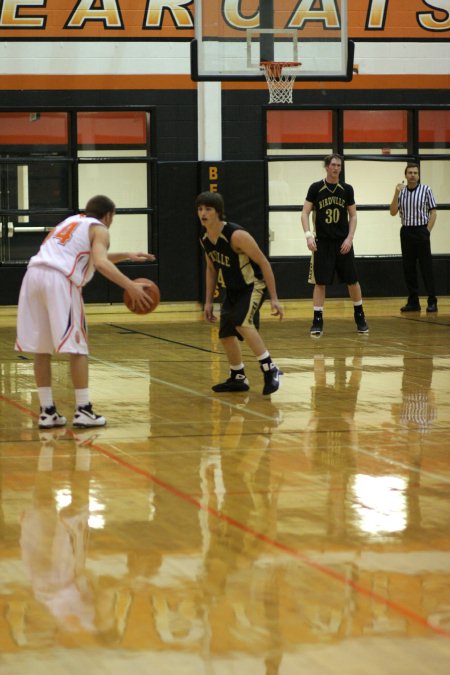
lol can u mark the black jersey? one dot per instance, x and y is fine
(331, 202)
(235, 270)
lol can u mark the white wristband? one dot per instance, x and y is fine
(308, 234)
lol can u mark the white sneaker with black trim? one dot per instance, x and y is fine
(86, 417)
(50, 417)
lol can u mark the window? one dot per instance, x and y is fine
(376, 145)
(41, 183)
(375, 131)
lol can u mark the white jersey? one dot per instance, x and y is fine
(67, 248)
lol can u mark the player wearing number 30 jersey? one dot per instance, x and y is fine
(332, 204)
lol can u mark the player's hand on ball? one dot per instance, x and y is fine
(142, 297)
(139, 300)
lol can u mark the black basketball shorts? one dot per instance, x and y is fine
(328, 261)
(241, 308)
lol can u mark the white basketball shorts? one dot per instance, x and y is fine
(50, 316)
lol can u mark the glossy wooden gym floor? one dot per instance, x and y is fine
(204, 534)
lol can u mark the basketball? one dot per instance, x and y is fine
(153, 294)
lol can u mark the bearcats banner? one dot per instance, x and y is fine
(174, 19)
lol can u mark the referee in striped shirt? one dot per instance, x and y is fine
(417, 208)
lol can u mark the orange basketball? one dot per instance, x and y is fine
(153, 293)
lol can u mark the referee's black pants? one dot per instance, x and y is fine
(416, 248)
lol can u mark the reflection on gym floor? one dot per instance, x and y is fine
(307, 532)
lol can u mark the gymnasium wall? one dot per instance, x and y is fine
(144, 44)
(122, 54)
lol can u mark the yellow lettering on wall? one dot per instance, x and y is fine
(376, 14)
(9, 14)
(430, 22)
(233, 16)
(84, 11)
(213, 173)
(328, 14)
(213, 187)
(178, 9)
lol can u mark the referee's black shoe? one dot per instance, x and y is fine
(432, 305)
(411, 307)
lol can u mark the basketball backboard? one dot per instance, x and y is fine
(232, 38)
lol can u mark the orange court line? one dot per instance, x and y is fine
(273, 543)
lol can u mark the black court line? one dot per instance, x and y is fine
(163, 339)
(427, 323)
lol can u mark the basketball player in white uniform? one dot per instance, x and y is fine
(51, 312)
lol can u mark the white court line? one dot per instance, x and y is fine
(185, 390)
(192, 392)
(397, 346)
(402, 465)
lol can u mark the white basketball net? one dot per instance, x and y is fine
(280, 84)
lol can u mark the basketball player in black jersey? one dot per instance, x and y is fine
(334, 214)
(235, 262)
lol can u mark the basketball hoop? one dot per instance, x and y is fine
(280, 83)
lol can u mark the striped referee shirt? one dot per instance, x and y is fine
(415, 205)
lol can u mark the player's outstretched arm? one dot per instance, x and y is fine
(134, 257)
(102, 263)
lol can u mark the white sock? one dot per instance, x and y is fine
(239, 367)
(357, 304)
(318, 309)
(45, 397)
(82, 397)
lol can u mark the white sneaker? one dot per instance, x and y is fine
(86, 417)
(50, 417)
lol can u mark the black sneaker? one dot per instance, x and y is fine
(238, 383)
(432, 307)
(361, 324)
(50, 417)
(410, 307)
(316, 329)
(86, 417)
(271, 380)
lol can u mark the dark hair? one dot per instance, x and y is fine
(213, 199)
(99, 206)
(329, 158)
(412, 165)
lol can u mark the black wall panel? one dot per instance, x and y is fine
(179, 255)
(241, 184)
(242, 111)
(379, 277)
(176, 128)
(10, 280)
